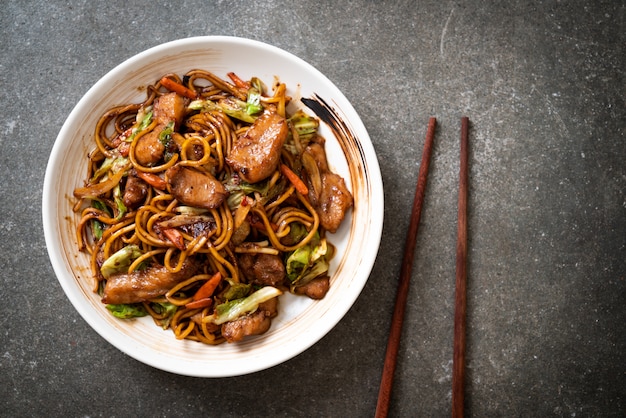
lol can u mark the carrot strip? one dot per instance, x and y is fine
(207, 289)
(238, 81)
(152, 179)
(178, 88)
(175, 237)
(201, 303)
(294, 179)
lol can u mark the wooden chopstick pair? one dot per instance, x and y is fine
(393, 343)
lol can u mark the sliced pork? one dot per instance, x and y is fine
(328, 193)
(195, 188)
(315, 289)
(255, 323)
(255, 155)
(167, 108)
(135, 191)
(143, 285)
(263, 269)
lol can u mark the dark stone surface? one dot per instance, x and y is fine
(543, 84)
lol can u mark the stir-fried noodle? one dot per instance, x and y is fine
(204, 203)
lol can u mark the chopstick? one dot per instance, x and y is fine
(393, 343)
(460, 304)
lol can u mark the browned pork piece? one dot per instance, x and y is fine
(255, 155)
(143, 285)
(252, 324)
(195, 188)
(315, 289)
(167, 108)
(135, 190)
(263, 269)
(327, 192)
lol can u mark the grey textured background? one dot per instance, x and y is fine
(543, 84)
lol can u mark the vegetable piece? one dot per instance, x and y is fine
(95, 190)
(238, 189)
(97, 227)
(165, 136)
(294, 179)
(305, 125)
(232, 106)
(199, 304)
(175, 237)
(178, 88)
(236, 290)
(253, 104)
(166, 311)
(238, 81)
(307, 262)
(143, 120)
(126, 311)
(119, 202)
(313, 171)
(113, 164)
(152, 179)
(120, 261)
(234, 309)
(242, 211)
(208, 288)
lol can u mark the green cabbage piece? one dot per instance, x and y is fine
(113, 164)
(126, 311)
(144, 120)
(304, 124)
(308, 262)
(231, 106)
(229, 311)
(120, 261)
(253, 105)
(236, 290)
(97, 227)
(166, 308)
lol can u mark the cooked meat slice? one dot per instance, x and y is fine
(143, 285)
(167, 108)
(195, 188)
(255, 155)
(252, 324)
(263, 269)
(194, 225)
(135, 191)
(315, 289)
(270, 307)
(318, 153)
(149, 149)
(334, 199)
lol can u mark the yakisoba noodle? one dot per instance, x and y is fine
(206, 202)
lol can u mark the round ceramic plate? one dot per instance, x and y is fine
(301, 321)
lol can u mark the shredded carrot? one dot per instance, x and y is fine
(152, 179)
(238, 81)
(200, 303)
(294, 179)
(207, 289)
(175, 237)
(178, 88)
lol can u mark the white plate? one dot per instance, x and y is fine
(301, 321)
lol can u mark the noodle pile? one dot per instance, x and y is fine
(273, 217)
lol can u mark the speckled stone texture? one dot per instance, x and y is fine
(543, 85)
